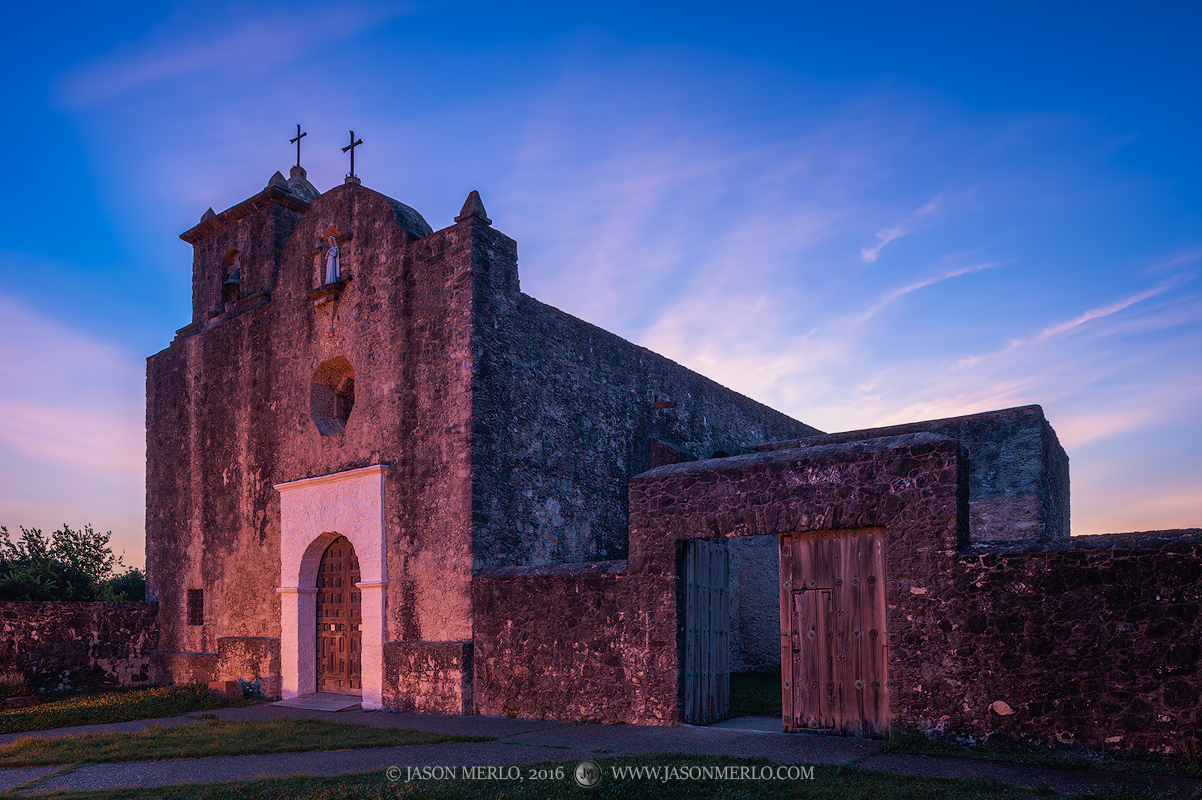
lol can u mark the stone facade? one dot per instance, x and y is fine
(504, 431)
(519, 487)
(71, 646)
(431, 677)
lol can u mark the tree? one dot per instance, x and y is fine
(130, 585)
(74, 565)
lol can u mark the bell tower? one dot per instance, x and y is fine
(236, 254)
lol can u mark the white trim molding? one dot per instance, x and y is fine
(314, 512)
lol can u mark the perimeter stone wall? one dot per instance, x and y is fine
(598, 643)
(70, 646)
(1092, 641)
(602, 642)
(1018, 481)
(1095, 641)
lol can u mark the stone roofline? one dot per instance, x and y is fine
(1131, 540)
(899, 430)
(800, 454)
(279, 195)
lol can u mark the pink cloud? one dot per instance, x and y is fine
(870, 254)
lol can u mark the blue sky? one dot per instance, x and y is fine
(859, 214)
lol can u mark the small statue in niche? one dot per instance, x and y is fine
(333, 268)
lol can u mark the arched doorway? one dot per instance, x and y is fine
(339, 620)
(313, 513)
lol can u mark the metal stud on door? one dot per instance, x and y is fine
(339, 617)
(833, 643)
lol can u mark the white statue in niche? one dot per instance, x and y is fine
(333, 268)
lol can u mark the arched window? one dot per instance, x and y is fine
(332, 395)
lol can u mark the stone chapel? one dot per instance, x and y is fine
(376, 467)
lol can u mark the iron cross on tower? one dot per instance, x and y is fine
(352, 147)
(296, 141)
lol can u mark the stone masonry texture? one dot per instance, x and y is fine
(1017, 471)
(255, 659)
(1091, 641)
(566, 415)
(613, 652)
(72, 646)
(430, 677)
(540, 477)
(509, 429)
(1095, 641)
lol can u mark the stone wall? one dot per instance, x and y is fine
(603, 643)
(1018, 483)
(911, 485)
(253, 659)
(566, 414)
(1095, 641)
(430, 677)
(69, 646)
(595, 644)
(755, 604)
(1092, 640)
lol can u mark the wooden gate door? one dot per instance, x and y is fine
(706, 673)
(833, 642)
(339, 620)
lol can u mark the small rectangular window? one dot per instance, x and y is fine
(196, 607)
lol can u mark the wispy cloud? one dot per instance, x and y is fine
(929, 207)
(93, 438)
(920, 284)
(870, 254)
(1176, 260)
(182, 49)
(884, 237)
(1104, 311)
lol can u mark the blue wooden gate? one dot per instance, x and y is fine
(706, 663)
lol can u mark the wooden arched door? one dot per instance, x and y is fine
(339, 620)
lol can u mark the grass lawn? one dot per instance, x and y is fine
(205, 739)
(119, 705)
(828, 783)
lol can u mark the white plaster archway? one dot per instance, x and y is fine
(313, 512)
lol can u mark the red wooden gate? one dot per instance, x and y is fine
(833, 640)
(339, 620)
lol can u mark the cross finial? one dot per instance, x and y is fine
(352, 147)
(296, 141)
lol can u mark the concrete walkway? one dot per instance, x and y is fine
(527, 741)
